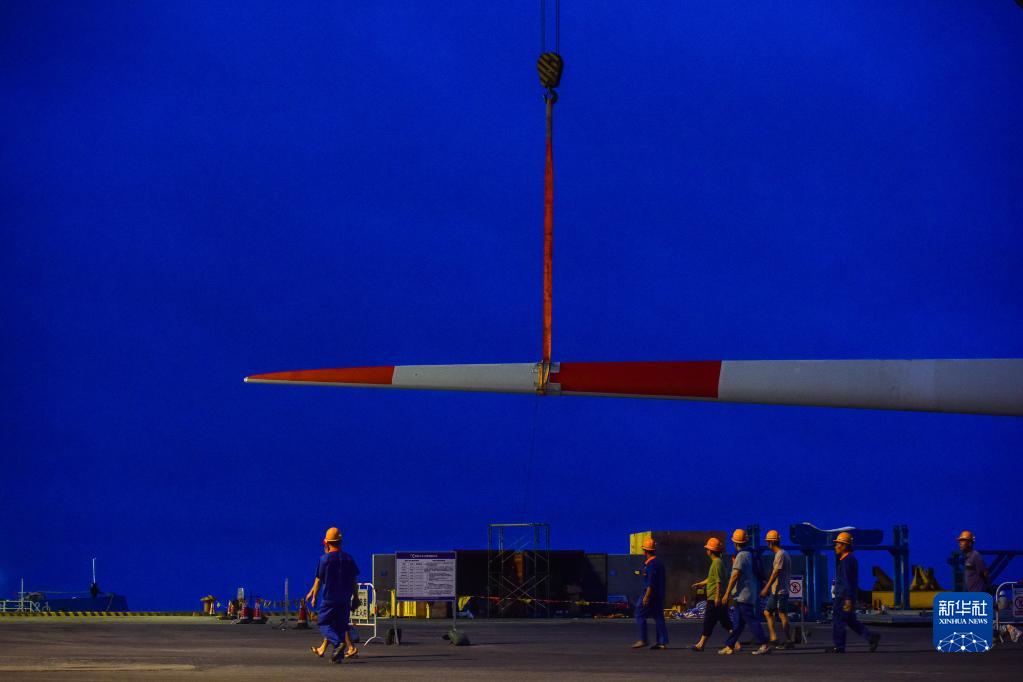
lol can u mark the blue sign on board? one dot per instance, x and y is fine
(963, 622)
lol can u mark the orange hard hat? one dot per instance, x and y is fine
(966, 535)
(649, 545)
(739, 536)
(772, 536)
(844, 538)
(714, 545)
(332, 535)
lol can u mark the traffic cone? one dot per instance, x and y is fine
(303, 617)
(244, 615)
(259, 616)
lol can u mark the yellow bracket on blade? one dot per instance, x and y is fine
(543, 371)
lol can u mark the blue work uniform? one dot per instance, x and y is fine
(846, 587)
(653, 578)
(975, 568)
(337, 572)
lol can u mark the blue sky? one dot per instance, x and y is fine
(195, 192)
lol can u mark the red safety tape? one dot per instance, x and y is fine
(580, 602)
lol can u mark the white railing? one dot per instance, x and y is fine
(1012, 613)
(23, 605)
(366, 614)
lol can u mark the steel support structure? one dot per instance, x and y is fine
(817, 583)
(518, 569)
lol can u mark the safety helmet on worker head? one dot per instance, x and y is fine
(649, 545)
(714, 545)
(332, 535)
(844, 538)
(966, 535)
(772, 536)
(739, 537)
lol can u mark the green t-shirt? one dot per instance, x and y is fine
(716, 578)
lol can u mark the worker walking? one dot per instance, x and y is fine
(337, 576)
(746, 585)
(846, 594)
(716, 611)
(976, 577)
(776, 589)
(651, 604)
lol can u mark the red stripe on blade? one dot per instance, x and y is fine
(343, 375)
(697, 379)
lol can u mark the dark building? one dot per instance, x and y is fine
(560, 579)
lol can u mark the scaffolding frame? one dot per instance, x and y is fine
(528, 584)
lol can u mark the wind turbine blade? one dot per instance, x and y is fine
(988, 386)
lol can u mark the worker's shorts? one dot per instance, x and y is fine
(779, 601)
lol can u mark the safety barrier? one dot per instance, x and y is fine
(19, 606)
(366, 614)
(1009, 611)
(797, 594)
(563, 602)
(463, 602)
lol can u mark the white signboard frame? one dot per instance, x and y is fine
(797, 589)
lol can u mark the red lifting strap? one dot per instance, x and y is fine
(549, 66)
(548, 239)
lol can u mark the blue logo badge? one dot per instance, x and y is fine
(962, 622)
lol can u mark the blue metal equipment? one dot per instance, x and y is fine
(817, 545)
(995, 566)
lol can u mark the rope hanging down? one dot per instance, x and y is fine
(549, 66)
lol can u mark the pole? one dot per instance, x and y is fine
(285, 600)
(454, 602)
(394, 614)
(93, 570)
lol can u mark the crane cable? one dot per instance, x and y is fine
(557, 26)
(549, 66)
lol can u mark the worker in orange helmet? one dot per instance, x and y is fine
(651, 604)
(744, 581)
(337, 577)
(715, 611)
(976, 576)
(846, 589)
(776, 589)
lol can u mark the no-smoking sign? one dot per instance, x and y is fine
(796, 587)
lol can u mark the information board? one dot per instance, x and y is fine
(425, 576)
(1017, 603)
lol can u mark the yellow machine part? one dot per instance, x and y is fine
(636, 541)
(917, 600)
